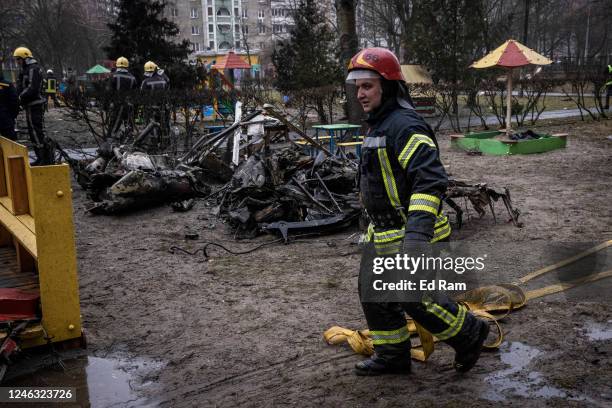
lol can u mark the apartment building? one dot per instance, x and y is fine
(269, 21)
(209, 25)
(257, 24)
(214, 27)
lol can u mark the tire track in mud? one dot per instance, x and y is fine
(324, 380)
(246, 379)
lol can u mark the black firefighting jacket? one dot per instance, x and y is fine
(402, 179)
(159, 80)
(29, 84)
(122, 80)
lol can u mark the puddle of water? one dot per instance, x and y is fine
(599, 331)
(99, 382)
(515, 380)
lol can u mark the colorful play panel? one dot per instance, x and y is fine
(490, 143)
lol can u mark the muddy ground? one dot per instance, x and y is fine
(247, 330)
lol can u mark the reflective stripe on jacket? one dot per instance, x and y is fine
(402, 180)
(122, 80)
(50, 85)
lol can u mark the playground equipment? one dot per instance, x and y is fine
(38, 277)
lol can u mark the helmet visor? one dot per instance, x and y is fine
(361, 74)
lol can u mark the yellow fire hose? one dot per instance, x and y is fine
(492, 302)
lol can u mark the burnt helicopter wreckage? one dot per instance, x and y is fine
(126, 178)
(263, 181)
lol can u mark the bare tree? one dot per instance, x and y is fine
(60, 33)
(379, 21)
(345, 12)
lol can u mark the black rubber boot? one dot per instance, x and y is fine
(378, 366)
(466, 359)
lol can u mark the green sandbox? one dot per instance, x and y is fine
(484, 142)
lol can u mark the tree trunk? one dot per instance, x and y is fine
(321, 110)
(345, 11)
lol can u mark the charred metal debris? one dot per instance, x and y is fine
(258, 178)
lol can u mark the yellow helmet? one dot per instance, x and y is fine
(122, 62)
(22, 52)
(150, 66)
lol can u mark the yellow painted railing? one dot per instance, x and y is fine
(36, 219)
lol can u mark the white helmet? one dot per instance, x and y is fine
(49, 71)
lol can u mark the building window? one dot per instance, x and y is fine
(195, 30)
(211, 28)
(237, 44)
(174, 12)
(261, 13)
(195, 47)
(246, 29)
(210, 11)
(236, 13)
(262, 29)
(223, 12)
(224, 45)
(244, 13)
(211, 45)
(277, 28)
(236, 28)
(209, 2)
(194, 12)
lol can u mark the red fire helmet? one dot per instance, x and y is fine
(379, 60)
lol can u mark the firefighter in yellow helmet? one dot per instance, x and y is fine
(122, 79)
(29, 86)
(155, 78)
(121, 108)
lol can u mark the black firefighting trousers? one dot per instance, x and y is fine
(447, 320)
(41, 145)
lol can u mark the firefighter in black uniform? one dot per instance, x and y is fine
(29, 88)
(121, 81)
(156, 80)
(402, 182)
(9, 108)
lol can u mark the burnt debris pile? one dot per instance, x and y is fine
(261, 173)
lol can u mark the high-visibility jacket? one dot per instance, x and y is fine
(402, 180)
(609, 83)
(50, 84)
